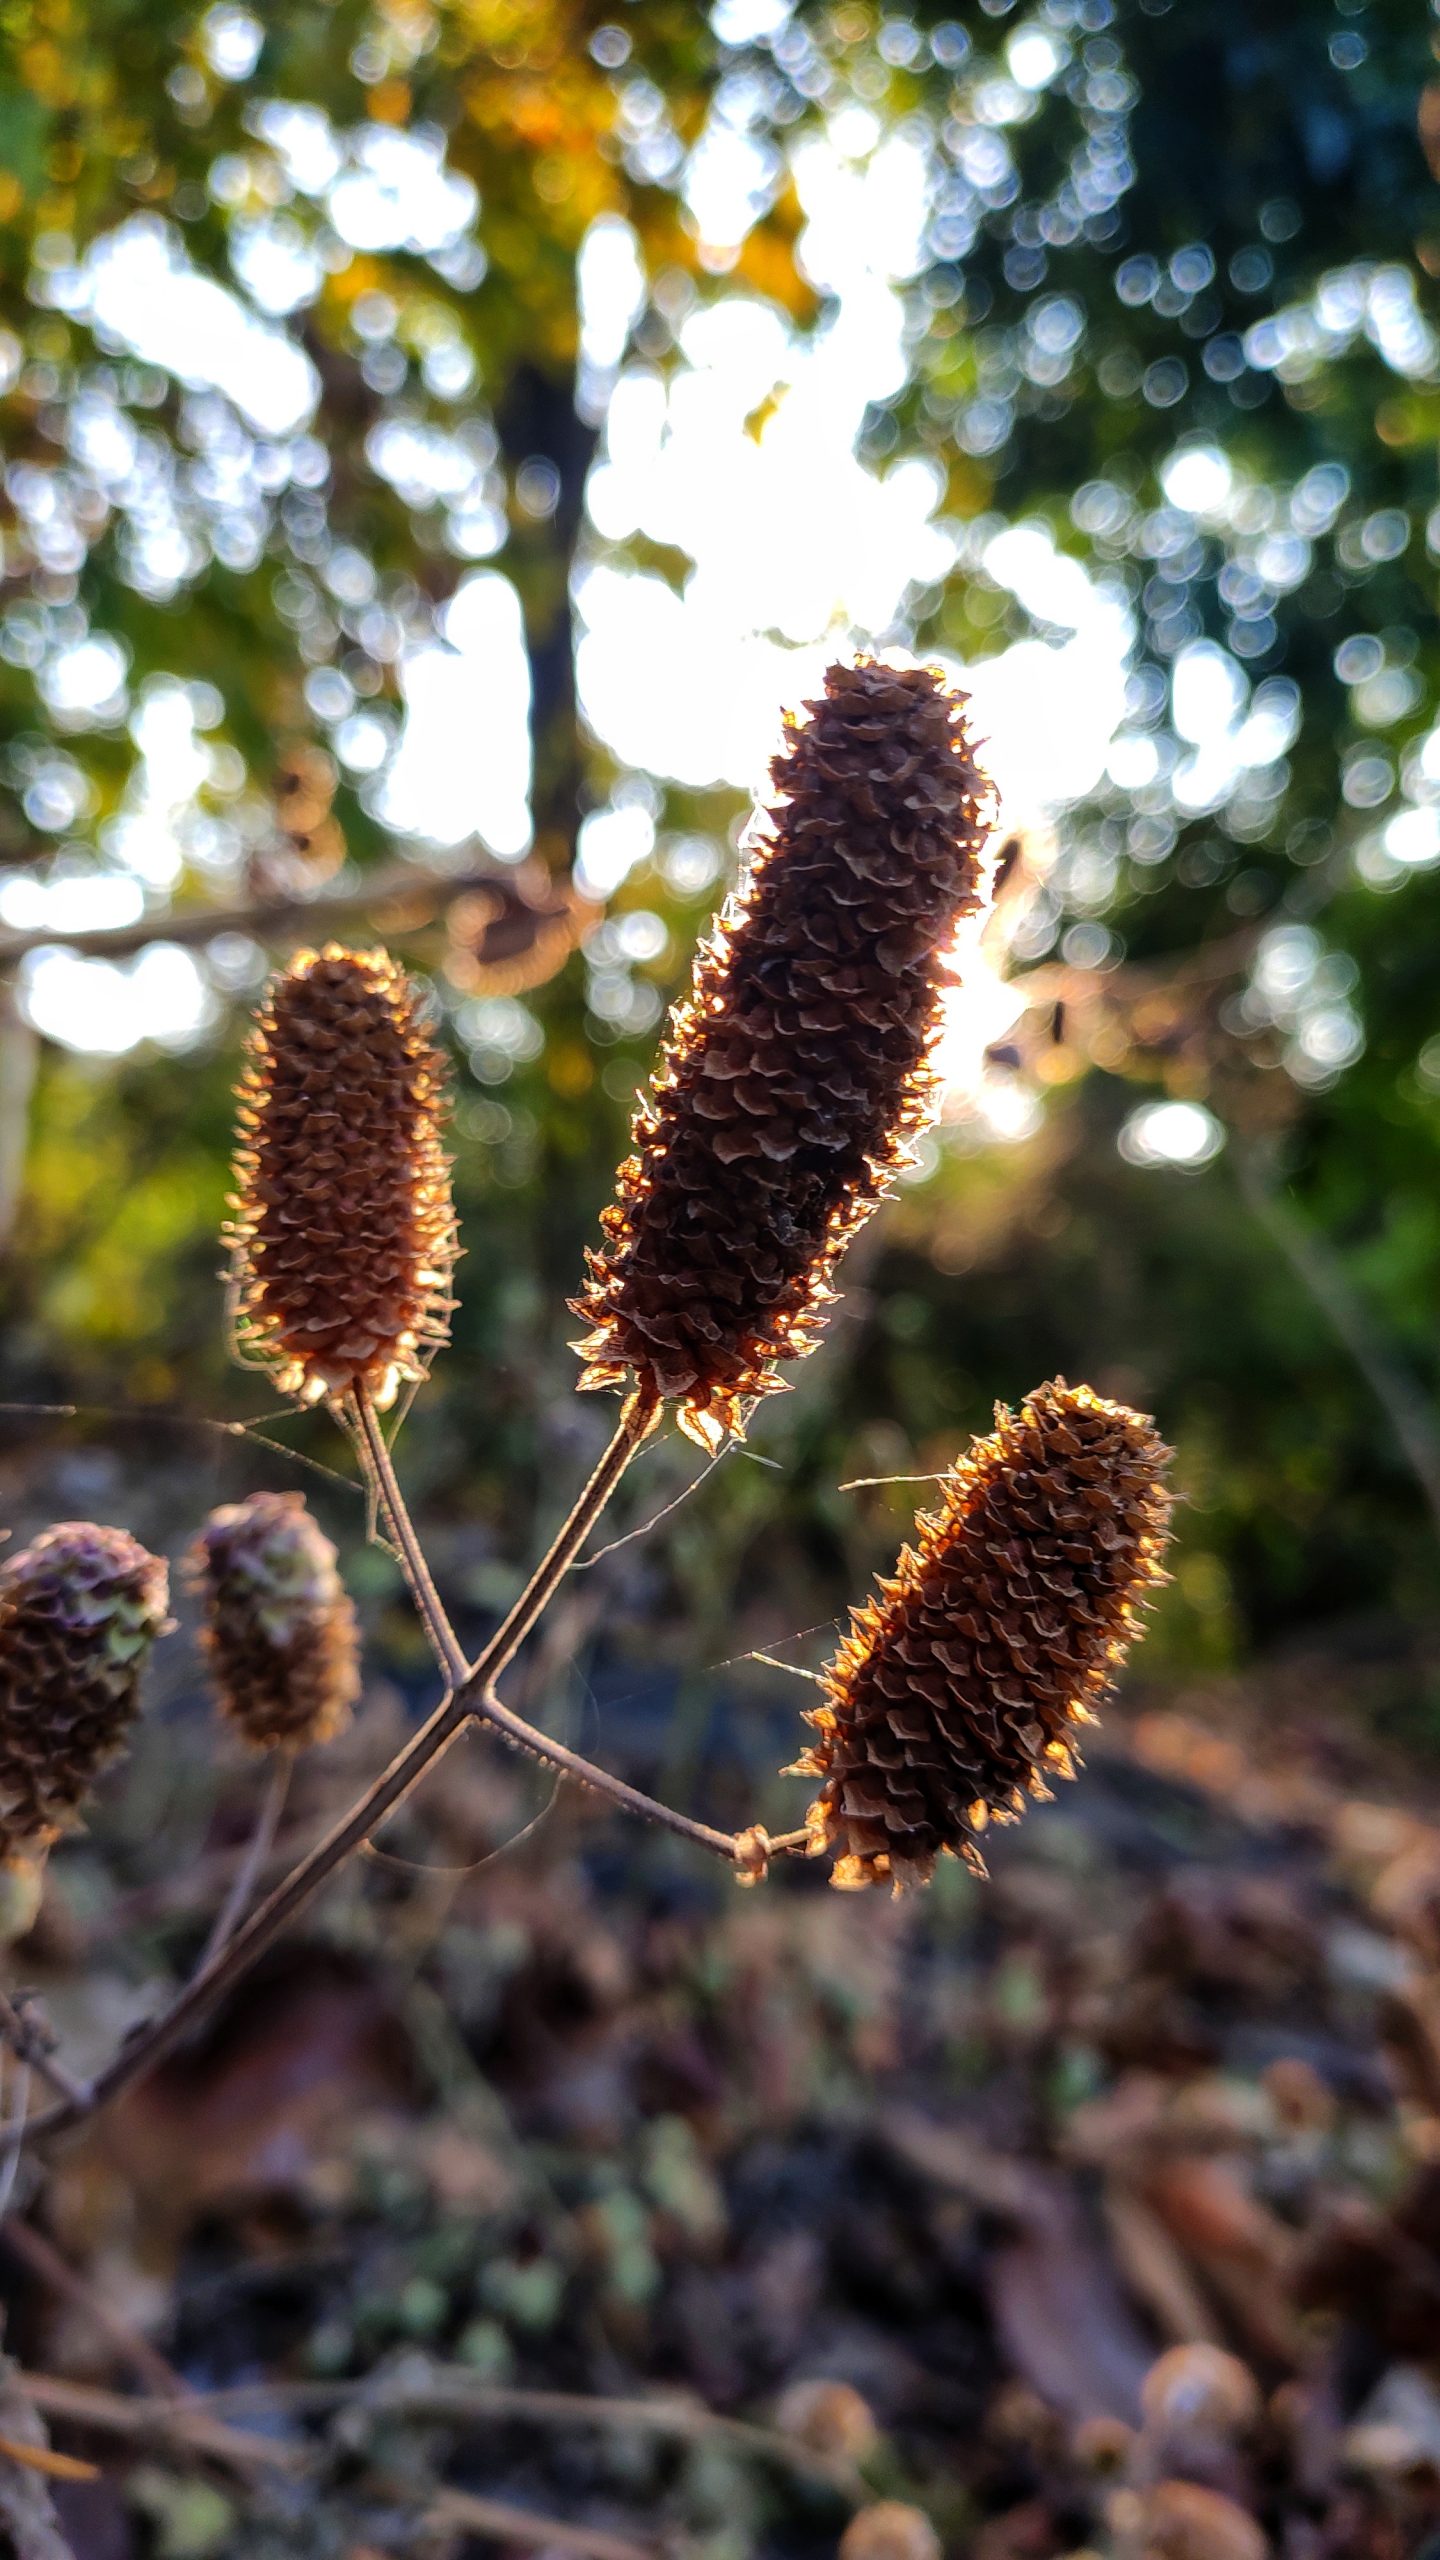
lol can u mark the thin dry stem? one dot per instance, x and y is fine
(472, 1698)
(34, 2043)
(257, 1850)
(635, 1423)
(447, 1646)
(46, 2264)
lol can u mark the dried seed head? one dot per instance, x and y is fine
(343, 1232)
(279, 1626)
(957, 1692)
(889, 2531)
(79, 1611)
(797, 1072)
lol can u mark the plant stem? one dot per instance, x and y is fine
(413, 1565)
(524, 1737)
(635, 1423)
(262, 1840)
(639, 1415)
(471, 1698)
(149, 2044)
(33, 2043)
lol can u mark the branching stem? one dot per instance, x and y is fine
(635, 1424)
(258, 1848)
(470, 1697)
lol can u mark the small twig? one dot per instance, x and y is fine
(449, 2395)
(630, 1799)
(257, 1850)
(502, 2522)
(796, 1670)
(51, 2466)
(387, 886)
(33, 2042)
(184, 2427)
(859, 1484)
(29, 2526)
(45, 2263)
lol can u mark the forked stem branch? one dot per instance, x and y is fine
(636, 1422)
(470, 1697)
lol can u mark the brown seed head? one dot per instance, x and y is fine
(79, 1610)
(343, 1232)
(830, 2417)
(279, 1626)
(797, 1072)
(889, 2531)
(957, 1692)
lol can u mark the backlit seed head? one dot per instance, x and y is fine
(958, 1692)
(279, 1627)
(343, 1232)
(79, 1611)
(797, 1074)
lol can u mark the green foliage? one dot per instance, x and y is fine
(1176, 309)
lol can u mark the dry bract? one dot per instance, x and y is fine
(343, 1232)
(797, 1073)
(958, 1690)
(279, 1626)
(79, 1611)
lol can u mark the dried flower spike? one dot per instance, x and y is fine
(79, 1611)
(957, 1692)
(343, 1232)
(797, 1072)
(279, 1626)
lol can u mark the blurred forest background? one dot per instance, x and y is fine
(438, 438)
(447, 437)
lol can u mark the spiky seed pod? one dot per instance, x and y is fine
(79, 1610)
(279, 1626)
(797, 1072)
(343, 1232)
(958, 1690)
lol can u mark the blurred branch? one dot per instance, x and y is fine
(34, 2041)
(44, 2262)
(470, 1697)
(438, 2395)
(19, 1053)
(29, 2526)
(499, 2521)
(393, 884)
(183, 2427)
(1398, 1393)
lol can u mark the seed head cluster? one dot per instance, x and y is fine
(343, 1233)
(279, 1627)
(957, 1693)
(797, 1072)
(79, 1611)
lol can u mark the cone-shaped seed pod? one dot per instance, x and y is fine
(79, 1611)
(957, 1692)
(797, 1072)
(343, 1232)
(279, 1626)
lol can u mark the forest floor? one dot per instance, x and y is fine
(1093, 2209)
